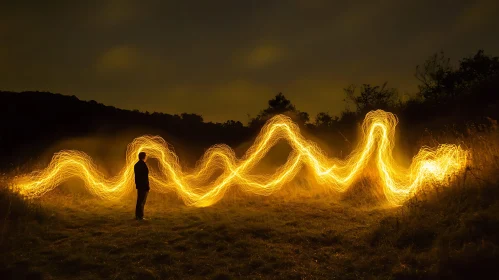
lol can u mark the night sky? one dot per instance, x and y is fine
(226, 59)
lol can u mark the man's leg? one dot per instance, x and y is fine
(145, 193)
(139, 208)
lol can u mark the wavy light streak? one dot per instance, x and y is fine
(430, 166)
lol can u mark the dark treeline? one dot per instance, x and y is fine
(447, 95)
(32, 121)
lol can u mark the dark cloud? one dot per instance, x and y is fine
(225, 59)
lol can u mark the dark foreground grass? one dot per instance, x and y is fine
(251, 238)
(448, 234)
(451, 233)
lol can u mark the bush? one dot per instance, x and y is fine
(14, 207)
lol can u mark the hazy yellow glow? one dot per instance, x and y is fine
(430, 166)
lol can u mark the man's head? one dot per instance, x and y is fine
(142, 156)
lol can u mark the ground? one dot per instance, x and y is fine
(261, 237)
(447, 233)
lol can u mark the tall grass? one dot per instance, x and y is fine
(450, 232)
(15, 209)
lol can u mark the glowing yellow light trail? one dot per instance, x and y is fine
(430, 166)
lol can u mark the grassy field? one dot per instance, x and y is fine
(254, 238)
(447, 233)
(451, 234)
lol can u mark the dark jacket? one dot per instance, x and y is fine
(141, 175)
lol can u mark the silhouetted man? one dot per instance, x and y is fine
(141, 184)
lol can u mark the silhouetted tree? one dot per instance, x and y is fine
(279, 105)
(441, 83)
(476, 70)
(372, 97)
(434, 76)
(304, 117)
(324, 120)
(233, 124)
(191, 118)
